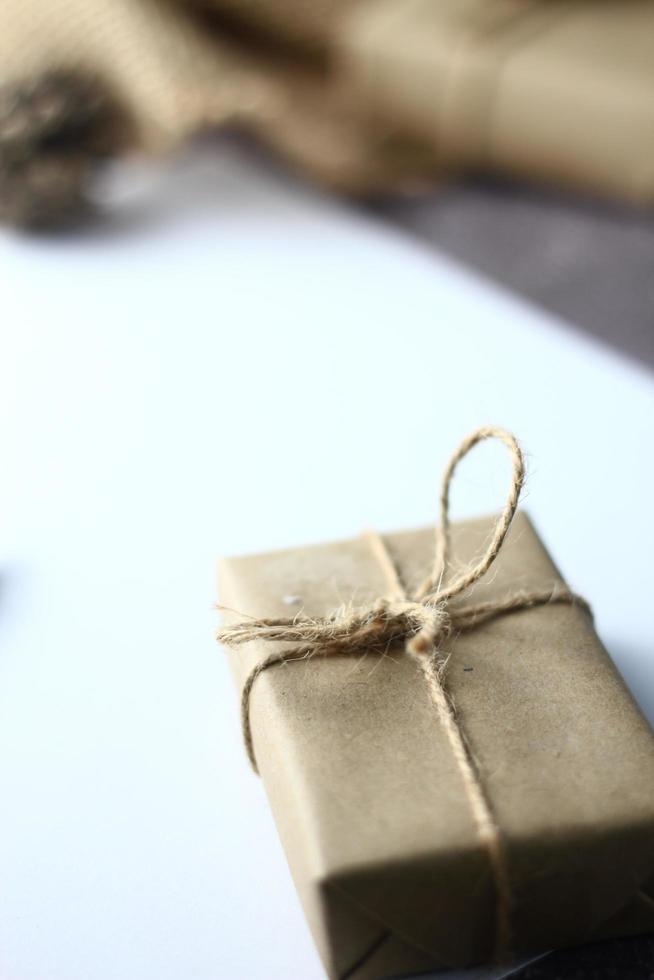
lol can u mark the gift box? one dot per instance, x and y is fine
(395, 866)
(554, 92)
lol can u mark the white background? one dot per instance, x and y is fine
(233, 364)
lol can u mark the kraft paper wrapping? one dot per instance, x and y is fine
(368, 800)
(558, 92)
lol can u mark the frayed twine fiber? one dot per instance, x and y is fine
(422, 621)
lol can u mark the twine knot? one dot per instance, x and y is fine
(436, 627)
(422, 625)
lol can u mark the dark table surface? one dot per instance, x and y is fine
(589, 262)
(618, 959)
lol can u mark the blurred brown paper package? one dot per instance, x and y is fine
(369, 802)
(361, 95)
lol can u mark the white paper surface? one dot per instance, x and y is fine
(233, 364)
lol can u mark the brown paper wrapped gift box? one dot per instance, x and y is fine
(554, 91)
(366, 794)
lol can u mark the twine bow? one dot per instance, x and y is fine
(421, 621)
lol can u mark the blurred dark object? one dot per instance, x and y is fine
(54, 129)
(617, 959)
(361, 95)
(588, 262)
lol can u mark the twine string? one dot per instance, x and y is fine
(422, 622)
(433, 668)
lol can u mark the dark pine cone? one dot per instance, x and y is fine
(54, 130)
